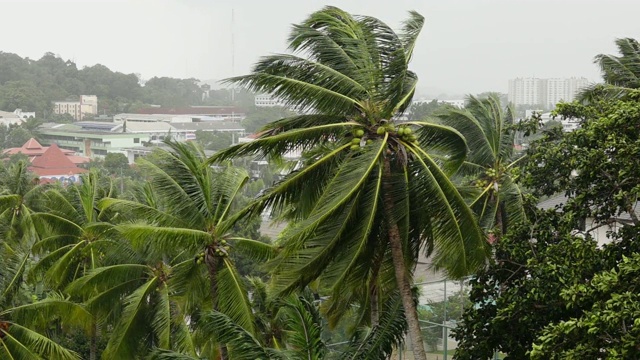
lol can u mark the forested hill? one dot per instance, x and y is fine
(33, 84)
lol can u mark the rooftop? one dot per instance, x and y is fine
(6, 114)
(192, 110)
(208, 126)
(54, 162)
(33, 150)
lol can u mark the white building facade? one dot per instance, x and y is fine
(87, 105)
(545, 92)
(267, 100)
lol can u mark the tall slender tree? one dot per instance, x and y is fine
(490, 171)
(369, 175)
(19, 196)
(190, 214)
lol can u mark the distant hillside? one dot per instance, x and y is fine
(33, 85)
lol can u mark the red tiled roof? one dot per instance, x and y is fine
(78, 159)
(198, 110)
(33, 150)
(32, 144)
(53, 158)
(54, 162)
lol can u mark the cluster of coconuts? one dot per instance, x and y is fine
(221, 251)
(406, 134)
(489, 176)
(403, 132)
(357, 139)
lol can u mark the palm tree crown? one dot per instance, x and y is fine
(369, 192)
(620, 73)
(491, 165)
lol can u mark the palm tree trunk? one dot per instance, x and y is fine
(374, 291)
(410, 309)
(93, 348)
(374, 299)
(499, 224)
(212, 266)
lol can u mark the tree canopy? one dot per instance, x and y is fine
(551, 292)
(33, 85)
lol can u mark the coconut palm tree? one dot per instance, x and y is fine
(620, 73)
(151, 314)
(74, 235)
(190, 215)
(491, 165)
(18, 341)
(369, 185)
(301, 337)
(19, 195)
(74, 231)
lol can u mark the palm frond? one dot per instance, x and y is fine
(380, 342)
(232, 298)
(303, 328)
(161, 321)
(173, 182)
(229, 183)
(301, 122)
(22, 343)
(242, 344)
(410, 31)
(52, 307)
(164, 354)
(189, 286)
(106, 277)
(334, 205)
(444, 142)
(274, 145)
(127, 332)
(138, 211)
(166, 240)
(256, 250)
(12, 275)
(460, 244)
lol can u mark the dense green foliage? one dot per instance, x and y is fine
(33, 85)
(165, 260)
(490, 172)
(551, 293)
(370, 194)
(621, 74)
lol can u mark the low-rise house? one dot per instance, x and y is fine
(55, 165)
(91, 139)
(598, 231)
(10, 118)
(34, 150)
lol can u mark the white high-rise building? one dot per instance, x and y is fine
(575, 85)
(544, 92)
(525, 91)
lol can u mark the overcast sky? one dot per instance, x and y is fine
(467, 46)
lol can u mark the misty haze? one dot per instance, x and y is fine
(228, 180)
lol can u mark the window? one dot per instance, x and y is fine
(136, 140)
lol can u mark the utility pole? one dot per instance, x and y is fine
(233, 57)
(445, 329)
